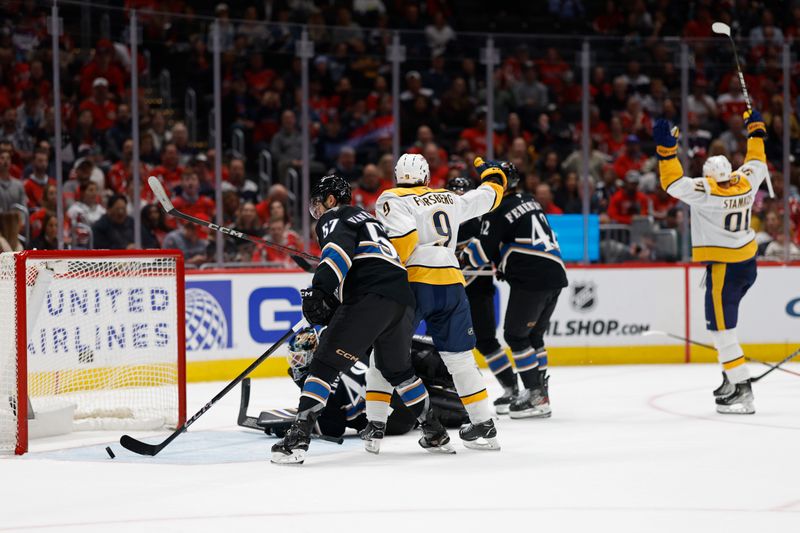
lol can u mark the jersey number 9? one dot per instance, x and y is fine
(442, 226)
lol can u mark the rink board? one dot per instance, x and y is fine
(234, 316)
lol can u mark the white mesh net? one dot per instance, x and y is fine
(101, 336)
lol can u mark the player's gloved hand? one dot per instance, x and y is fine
(755, 124)
(491, 171)
(318, 307)
(666, 137)
(499, 275)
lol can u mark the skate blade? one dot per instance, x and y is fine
(446, 449)
(295, 458)
(737, 409)
(501, 409)
(372, 446)
(482, 443)
(531, 413)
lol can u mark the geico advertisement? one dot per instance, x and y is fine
(613, 307)
(83, 323)
(769, 313)
(236, 315)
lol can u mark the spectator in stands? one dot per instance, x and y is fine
(597, 160)
(47, 239)
(456, 108)
(38, 179)
(777, 248)
(544, 195)
(731, 103)
(438, 168)
(205, 175)
(237, 181)
(734, 139)
(180, 137)
(190, 201)
(86, 209)
(635, 119)
(767, 33)
(346, 29)
(21, 142)
(632, 158)
(81, 175)
(230, 207)
(187, 239)
(476, 135)
(701, 104)
(103, 109)
(277, 233)
(154, 226)
(119, 132)
(439, 34)
(48, 208)
(529, 93)
(158, 130)
(30, 113)
(436, 77)
(114, 230)
(370, 186)
(568, 197)
(286, 146)
(629, 200)
(346, 166)
(102, 66)
(170, 170)
(12, 191)
(662, 203)
(414, 90)
(9, 232)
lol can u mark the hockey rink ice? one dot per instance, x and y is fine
(628, 449)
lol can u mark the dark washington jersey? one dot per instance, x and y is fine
(469, 230)
(517, 238)
(358, 258)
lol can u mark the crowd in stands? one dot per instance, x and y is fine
(635, 78)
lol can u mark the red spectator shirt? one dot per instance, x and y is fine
(623, 206)
(202, 208)
(113, 74)
(476, 139)
(35, 191)
(553, 209)
(171, 178)
(263, 254)
(103, 114)
(367, 199)
(624, 163)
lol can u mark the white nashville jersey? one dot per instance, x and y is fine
(720, 222)
(423, 225)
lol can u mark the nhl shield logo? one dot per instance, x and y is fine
(584, 296)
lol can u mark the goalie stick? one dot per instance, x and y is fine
(708, 346)
(143, 448)
(262, 423)
(300, 258)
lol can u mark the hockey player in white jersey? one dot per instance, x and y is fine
(721, 203)
(422, 224)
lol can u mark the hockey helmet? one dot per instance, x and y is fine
(459, 184)
(718, 168)
(301, 350)
(512, 174)
(411, 170)
(333, 185)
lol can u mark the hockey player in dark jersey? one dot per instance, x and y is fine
(346, 407)
(518, 240)
(481, 292)
(360, 291)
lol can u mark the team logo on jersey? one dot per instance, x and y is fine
(208, 315)
(584, 296)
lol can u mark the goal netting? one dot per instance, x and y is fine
(97, 335)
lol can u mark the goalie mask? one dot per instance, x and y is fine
(301, 351)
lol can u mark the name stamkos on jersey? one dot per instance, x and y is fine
(738, 203)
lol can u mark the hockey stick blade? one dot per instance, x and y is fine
(142, 448)
(160, 194)
(721, 28)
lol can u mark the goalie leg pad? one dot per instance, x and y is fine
(469, 384)
(730, 355)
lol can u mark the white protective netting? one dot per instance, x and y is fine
(101, 336)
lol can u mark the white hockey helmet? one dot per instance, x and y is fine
(412, 169)
(718, 168)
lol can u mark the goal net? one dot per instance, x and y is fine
(98, 335)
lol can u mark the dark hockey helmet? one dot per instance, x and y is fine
(301, 350)
(511, 173)
(459, 184)
(332, 184)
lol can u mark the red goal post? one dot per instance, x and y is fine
(95, 336)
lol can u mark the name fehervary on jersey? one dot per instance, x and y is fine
(433, 199)
(737, 203)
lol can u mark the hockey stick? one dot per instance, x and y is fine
(723, 29)
(246, 421)
(300, 258)
(142, 448)
(708, 346)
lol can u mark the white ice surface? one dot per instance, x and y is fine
(629, 449)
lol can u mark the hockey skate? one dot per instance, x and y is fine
(532, 403)
(372, 435)
(434, 436)
(481, 436)
(726, 389)
(502, 403)
(292, 448)
(740, 402)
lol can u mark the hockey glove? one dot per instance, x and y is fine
(491, 171)
(755, 124)
(318, 307)
(666, 137)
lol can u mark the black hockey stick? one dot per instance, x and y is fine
(142, 448)
(246, 421)
(708, 346)
(300, 258)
